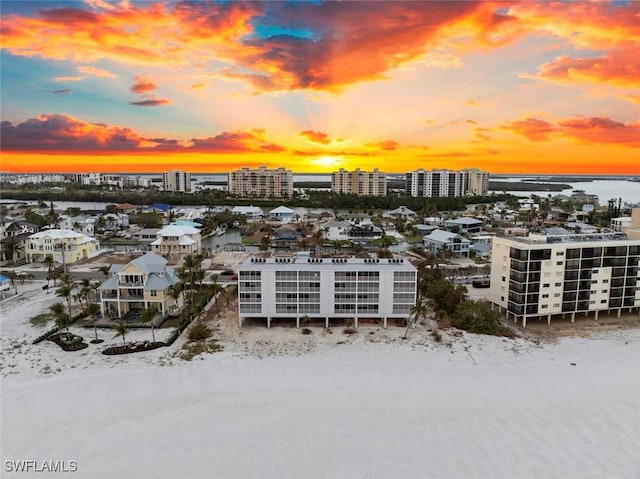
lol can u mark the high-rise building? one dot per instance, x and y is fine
(176, 180)
(477, 182)
(356, 182)
(325, 288)
(540, 276)
(261, 183)
(436, 183)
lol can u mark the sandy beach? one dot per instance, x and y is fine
(277, 404)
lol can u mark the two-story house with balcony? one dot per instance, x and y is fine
(142, 283)
(65, 246)
(177, 241)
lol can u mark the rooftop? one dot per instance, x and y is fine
(327, 264)
(570, 238)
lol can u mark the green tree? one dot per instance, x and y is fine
(479, 318)
(418, 312)
(147, 317)
(93, 309)
(121, 330)
(62, 320)
(65, 289)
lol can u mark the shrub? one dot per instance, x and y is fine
(475, 317)
(199, 332)
(306, 331)
(436, 336)
(349, 331)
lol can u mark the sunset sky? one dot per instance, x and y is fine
(509, 87)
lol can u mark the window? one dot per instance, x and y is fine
(594, 281)
(560, 253)
(544, 306)
(559, 263)
(605, 281)
(557, 295)
(604, 291)
(546, 285)
(603, 301)
(557, 284)
(545, 295)
(154, 293)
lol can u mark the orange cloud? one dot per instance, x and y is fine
(632, 98)
(586, 130)
(65, 133)
(143, 85)
(152, 101)
(197, 86)
(99, 72)
(61, 79)
(532, 128)
(387, 145)
(619, 68)
(235, 142)
(601, 130)
(315, 137)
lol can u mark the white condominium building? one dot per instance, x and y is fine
(436, 183)
(356, 182)
(477, 182)
(176, 180)
(261, 183)
(540, 276)
(325, 288)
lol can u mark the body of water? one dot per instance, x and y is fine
(628, 191)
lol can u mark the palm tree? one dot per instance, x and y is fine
(175, 292)
(104, 270)
(49, 261)
(418, 311)
(265, 242)
(10, 246)
(147, 317)
(62, 320)
(121, 330)
(191, 263)
(317, 239)
(65, 290)
(92, 310)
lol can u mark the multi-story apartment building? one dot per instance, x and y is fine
(141, 284)
(325, 288)
(65, 246)
(356, 182)
(261, 183)
(436, 183)
(477, 182)
(540, 276)
(176, 180)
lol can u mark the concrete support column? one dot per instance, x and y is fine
(596, 316)
(355, 322)
(298, 322)
(549, 319)
(326, 322)
(573, 317)
(268, 321)
(239, 321)
(524, 321)
(384, 322)
(619, 312)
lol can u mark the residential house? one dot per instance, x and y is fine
(282, 214)
(439, 241)
(464, 225)
(65, 246)
(176, 242)
(401, 212)
(252, 213)
(142, 283)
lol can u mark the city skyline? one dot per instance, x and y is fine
(506, 87)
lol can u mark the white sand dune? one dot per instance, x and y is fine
(500, 409)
